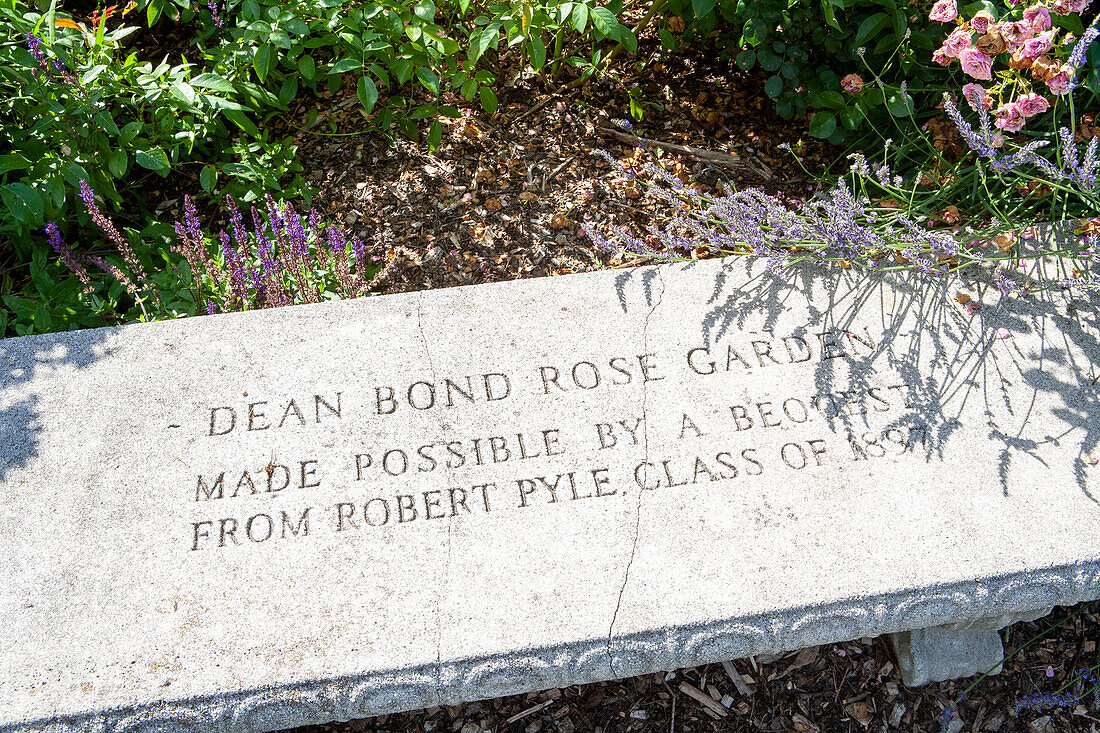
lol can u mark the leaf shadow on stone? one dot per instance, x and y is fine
(947, 356)
(21, 360)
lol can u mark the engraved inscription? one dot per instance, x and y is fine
(357, 478)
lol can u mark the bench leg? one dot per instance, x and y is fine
(955, 650)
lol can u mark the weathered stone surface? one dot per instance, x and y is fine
(626, 472)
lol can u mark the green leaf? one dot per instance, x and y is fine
(768, 60)
(74, 173)
(870, 27)
(488, 100)
(212, 81)
(668, 42)
(264, 61)
(153, 10)
(831, 99)
(289, 90)
(345, 65)
(481, 43)
(154, 159)
(402, 70)
(702, 8)
(14, 162)
(899, 105)
(425, 10)
(368, 92)
(851, 117)
(773, 87)
(240, 120)
(207, 177)
(823, 124)
(538, 53)
(435, 134)
(116, 163)
(183, 91)
(830, 14)
(429, 79)
(469, 89)
(746, 59)
(23, 202)
(628, 39)
(604, 20)
(580, 17)
(307, 67)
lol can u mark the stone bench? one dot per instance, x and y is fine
(255, 521)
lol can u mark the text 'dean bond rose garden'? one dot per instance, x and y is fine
(258, 520)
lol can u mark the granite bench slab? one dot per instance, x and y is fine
(253, 521)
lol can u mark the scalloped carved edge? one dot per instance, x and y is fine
(367, 695)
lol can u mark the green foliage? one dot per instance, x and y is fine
(807, 46)
(88, 111)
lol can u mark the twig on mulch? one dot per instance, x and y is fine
(556, 95)
(706, 156)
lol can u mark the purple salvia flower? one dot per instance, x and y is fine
(299, 242)
(215, 15)
(34, 45)
(211, 308)
(191, 219)
(108, 228)
(240, 234)
(237, 282)
(67, 256)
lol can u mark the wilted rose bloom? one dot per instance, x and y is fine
(1019, 61)
(1037, 46)
(992, 44)
(1043, 68)
(1059, 83)
(944, 11)
(976, 64)
(1032, 104)
(852, 84)
(1065, 7)
(1038, 18)
(954, 44)
(976, 94)
(981, 22)
(941, 58)
(1014, 33)
(1009, 118)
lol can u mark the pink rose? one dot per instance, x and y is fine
(1059, 83)
(852, 84)
(1032, 104)
(1037, 46)
(1009, 118)
(976, 64)
(954, 44)
(981, 22)
(941, 58)
(977, 95)
(944, 11)
(1063, 7)
(1038, 18)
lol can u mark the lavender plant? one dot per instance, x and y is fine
(839, 226)
(283, 258)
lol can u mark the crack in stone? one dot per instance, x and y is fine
(447, 563)
(638, 505)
